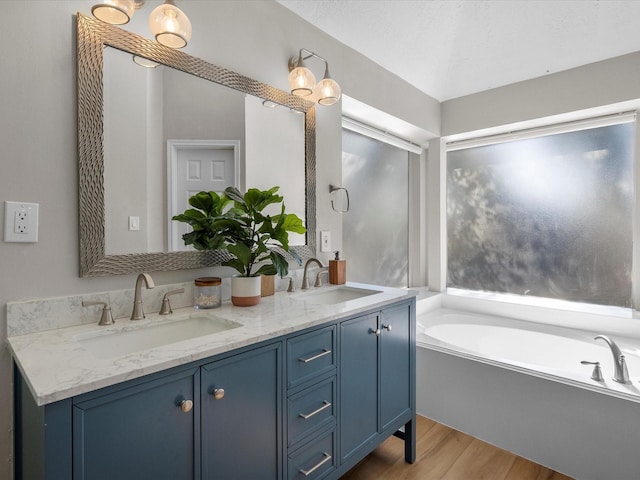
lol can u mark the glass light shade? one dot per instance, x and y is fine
(115, 12)
(170, 26)
(327, 91)
(301, 81)
(144, 62)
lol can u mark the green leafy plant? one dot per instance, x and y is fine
(251, 236)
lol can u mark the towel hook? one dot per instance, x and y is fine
(333, 188)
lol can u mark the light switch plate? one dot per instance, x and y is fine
(134, 223)
(325, 242)
(21, 222)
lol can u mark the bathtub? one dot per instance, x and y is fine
(520, 385)
(535, 349)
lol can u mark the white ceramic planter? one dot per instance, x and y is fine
(245, 291)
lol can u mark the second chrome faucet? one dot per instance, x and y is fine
(138, 312)
(621, 375)
(305, 280)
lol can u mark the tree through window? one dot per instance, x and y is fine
(549, 216)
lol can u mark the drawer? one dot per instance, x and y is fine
(314, 461)
(310, 354)
(310, 410)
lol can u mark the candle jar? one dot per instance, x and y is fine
(207, 292)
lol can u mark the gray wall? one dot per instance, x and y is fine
(590, 86)
(38, 131)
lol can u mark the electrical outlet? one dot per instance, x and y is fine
(325, 242)
(20, 222)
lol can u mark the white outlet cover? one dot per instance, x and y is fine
(134, 223)
(12, 211)
(325, 241)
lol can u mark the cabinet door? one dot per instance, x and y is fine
(139, 432)
(241, 414)
(358, 383)
(395, 363)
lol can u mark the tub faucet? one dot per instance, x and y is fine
(138, 312)
(305, 280)
(621, 374)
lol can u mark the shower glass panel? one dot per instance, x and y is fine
(375, 229)
(549, 216)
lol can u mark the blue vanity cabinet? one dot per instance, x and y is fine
(377, 382)
(307, 405)
(358, 383)
(311, 404)
(396, 365)
(148, 430)
(241, 416)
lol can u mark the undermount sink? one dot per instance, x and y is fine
(337, 295)
(151, 334)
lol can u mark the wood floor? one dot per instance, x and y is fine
(444, 453)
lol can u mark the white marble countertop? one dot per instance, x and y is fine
(56, 366)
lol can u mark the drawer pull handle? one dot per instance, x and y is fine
(324, 406)
(386, 327)
(375, 331)
(186, 405)
(218, 393)
(315, 357)
(326, 458)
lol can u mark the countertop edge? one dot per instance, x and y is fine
(38, 373)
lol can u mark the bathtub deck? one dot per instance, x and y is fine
(444, 453)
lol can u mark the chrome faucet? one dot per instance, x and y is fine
(621, 374)
(305, 280)
(106, 318)
(322, 271)
(138, 312)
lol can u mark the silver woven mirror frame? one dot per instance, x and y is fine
(93, 36)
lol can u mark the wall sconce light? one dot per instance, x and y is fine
(115, 12)
(302, 82)
(169, 25)
(145, 62)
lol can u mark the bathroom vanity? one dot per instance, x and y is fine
(296, 387)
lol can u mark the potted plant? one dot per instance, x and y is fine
(253, 237)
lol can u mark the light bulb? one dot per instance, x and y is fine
(170, 26)
(115, 12)
(301, 81)
(327, 90)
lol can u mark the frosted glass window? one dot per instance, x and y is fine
(375, 229)
(548, 216)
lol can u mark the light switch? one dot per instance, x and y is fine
(134, 223)
(325, 242)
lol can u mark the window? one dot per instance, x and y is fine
(548, 216)
(375, 229)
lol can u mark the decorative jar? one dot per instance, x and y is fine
(207, 292)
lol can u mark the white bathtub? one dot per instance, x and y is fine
(542, 350)
(520, 385)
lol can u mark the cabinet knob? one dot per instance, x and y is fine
(186, 405)
(386, 327)
(376, 332)
(218, 393)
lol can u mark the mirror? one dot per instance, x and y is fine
(127, 179)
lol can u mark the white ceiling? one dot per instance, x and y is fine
(451, 48)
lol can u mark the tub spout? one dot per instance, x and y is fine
(621, 374)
